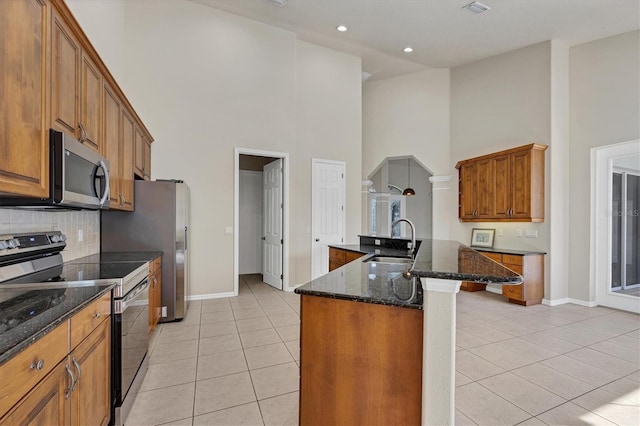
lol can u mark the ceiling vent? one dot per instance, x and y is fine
(279, 3)
(477, 8)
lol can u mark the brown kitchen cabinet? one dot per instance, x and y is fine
(54, 78)
(24, 128)
(471, 257)
(55, 380)
(339, 257)
(530, 266)
(360, 363)
(506, 186)
(142, 151)
(155, 292)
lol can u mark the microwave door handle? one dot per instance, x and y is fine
(105, 195)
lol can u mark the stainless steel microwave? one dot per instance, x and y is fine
(78, 177)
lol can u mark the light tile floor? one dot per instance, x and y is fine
(235, 362)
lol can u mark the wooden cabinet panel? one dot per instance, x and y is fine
(84, 322)
(503, 186)
(24, 129)
(90, 400)
(65, 76)
(111, 139)
(339, 257)
(23, 371)
(126, 161)
(155, 293)
(139, 153)
(147, 159)
(90, 104)
(366, 371)
(513, 292)
(496, 257)
(45, 404)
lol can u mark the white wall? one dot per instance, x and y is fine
(605, 109)
(204, 82)
(251, 222)
(409, 115)
(499, 103)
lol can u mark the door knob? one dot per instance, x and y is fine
(317, 240)
(264, 238)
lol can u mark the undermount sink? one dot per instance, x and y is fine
(389, 259)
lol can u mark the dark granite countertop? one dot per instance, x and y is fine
(509, 251)
(393, 284)
(47, 307)
(371, 282)
(372, 249)
(451, 260)
(118, 257)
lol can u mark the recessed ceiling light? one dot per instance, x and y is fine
(477, 8)
(408, 49)
(341, 28)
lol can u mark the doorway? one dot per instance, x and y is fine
(615, 214)
(261, 219)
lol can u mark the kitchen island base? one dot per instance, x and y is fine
(360, 363)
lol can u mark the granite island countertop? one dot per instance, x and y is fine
(398, 284)
(49, 304)
(118, 257)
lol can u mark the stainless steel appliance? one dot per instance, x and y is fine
(160, 222)
(78, 177)
(33, 261)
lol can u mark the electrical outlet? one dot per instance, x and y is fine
(80, 235)
(500, 233)
(518, 232)
(531, 233)
(164, 312)
(376, 242)
(376, 251)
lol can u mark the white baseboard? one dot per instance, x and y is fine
(210, 296)
(566, 300)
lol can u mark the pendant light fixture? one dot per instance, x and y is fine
(409, 191)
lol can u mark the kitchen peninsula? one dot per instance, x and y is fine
(377, 336)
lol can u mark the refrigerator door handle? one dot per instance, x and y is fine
(185, 238)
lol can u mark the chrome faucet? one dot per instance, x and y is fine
(412, 250)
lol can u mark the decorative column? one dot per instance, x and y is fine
(439, 351)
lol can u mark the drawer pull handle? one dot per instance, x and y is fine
(96, 315)
(73, 387)
(38, 365)
(67, 392)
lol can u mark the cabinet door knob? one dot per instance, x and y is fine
(96, 315)
(37, 365)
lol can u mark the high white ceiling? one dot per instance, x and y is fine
(442, 34)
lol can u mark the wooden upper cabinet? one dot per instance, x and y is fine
(504, 186)
(76, 86)
(24, 129)
(126, 161)
(111, 118)
(90, 104)
(147, 159)
(65, 76)
(142, 167)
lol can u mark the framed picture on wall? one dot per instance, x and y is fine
(482, 237)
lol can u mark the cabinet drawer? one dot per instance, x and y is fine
(514, 268)
(21, 372)
(156, 265)
(493, 256)
(512, 259)
(512, 291)
(85, 321)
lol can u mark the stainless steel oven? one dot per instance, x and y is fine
(130, 343)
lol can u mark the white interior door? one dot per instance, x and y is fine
(272, 239)
(328, 215)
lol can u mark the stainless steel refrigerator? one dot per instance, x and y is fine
(160, 222)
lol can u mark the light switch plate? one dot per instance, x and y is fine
(531, 233)
(500, 233)
(518, 232)
(376, 242)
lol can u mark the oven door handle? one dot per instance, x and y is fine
(133, 294)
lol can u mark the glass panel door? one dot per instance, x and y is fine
(625, 233)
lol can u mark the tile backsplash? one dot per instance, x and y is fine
(70, 222)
